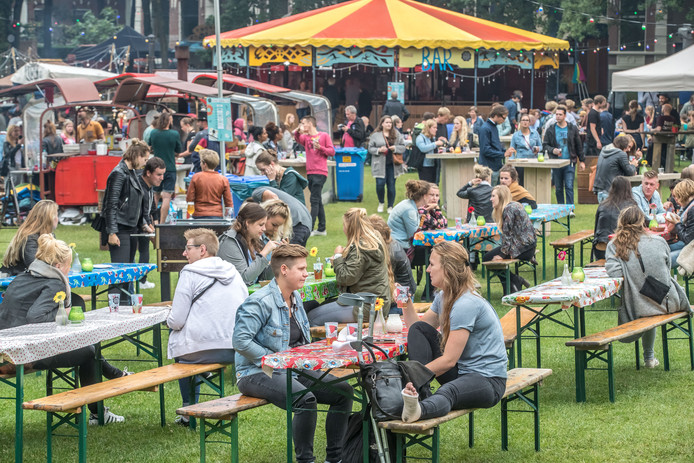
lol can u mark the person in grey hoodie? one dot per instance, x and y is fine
(626, 254)
(203, 310)
(614, 161)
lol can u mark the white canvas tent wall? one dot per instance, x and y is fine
(672, 74)
(31, 72)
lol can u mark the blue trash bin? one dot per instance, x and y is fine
(349, 173)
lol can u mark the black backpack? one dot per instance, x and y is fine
(352, 448)
(416, 157)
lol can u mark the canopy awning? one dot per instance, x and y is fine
(672, 74)
(74, 91)
(31, 72)
(389, 23)
(136, 88)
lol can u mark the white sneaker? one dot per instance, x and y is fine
(319, 233)
(109, 418)
(147, 285)
(381, 206)
(390, 210)
(651, 363)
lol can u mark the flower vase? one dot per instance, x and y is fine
(473, 220)
(566, 276)
(76, 265)
(379, 324)
(61, 318)
(643, 169)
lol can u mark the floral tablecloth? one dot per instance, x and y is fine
(319, 356)
(431, 237)
(103, 274)
(29, 343)
(548, 212)
(313, 289)
(596, 287)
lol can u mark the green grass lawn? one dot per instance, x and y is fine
(640, 426)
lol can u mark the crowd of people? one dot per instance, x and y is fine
(213, 318)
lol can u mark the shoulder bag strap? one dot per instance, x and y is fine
(198, 296)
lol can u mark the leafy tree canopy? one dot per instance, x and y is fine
(92, 29)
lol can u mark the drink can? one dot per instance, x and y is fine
(459, 223)
(113, 303)
(330, 332)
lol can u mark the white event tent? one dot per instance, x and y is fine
(672, 74)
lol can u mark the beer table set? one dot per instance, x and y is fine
(554, 299)
(27, 344)
(103, 274)
(320, 356)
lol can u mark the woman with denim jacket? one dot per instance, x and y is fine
(273, 320)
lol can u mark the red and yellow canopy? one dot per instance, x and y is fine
(389, 23)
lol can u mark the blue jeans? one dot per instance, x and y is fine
(675, 249)
(225, 356)
(389, 181)
(563, 179)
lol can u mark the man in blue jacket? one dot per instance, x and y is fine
(513, 107)
(491, 152)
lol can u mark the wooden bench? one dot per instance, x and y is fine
(597, 263)
(567, 244)
(510, 330)
(221, 416)
(522, 384)
(69, 407)
(598, 346)
(502, 268)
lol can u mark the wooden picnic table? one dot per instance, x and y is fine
(658, 139)
(320, 356)
(26, 344)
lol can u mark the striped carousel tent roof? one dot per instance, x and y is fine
(389, 23)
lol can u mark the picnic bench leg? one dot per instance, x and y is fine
(82, 426)
(536, 415)
(49, 437)
(555, 262)
(19, 414)
(435, 445)
(691, 342)
(93, 288)
(666, 350)
(504, 424)
(544, 252)
(234, 430)
(636, 351)
(518, 336)
(470, 430)
(398, 448)
(580, 375)
(202, 441)
(507, 272)
(537, 344)
(290, 443)
(610, 373)
(156, 347)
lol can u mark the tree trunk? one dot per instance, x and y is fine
(47, 33)
(160, 13)
(147, 17)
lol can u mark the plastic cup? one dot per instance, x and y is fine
(113, 302)
(318, 271)
(352, 329)
(191, 210)
(459, 223)
(137, 303)
(330, 332)
(402, 296)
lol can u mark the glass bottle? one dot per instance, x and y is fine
(76, 265)
(379, 323)
(566, 276)
(61, 317)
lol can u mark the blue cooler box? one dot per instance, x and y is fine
(349, 173)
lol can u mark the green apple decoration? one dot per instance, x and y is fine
(87, 264)
(480, 221)
(540, 158)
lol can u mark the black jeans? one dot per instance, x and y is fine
(457, 392)
(85, 359)
(274, 390)
(428, 174)
(315, 186)
(387, 181)
(125, 253)
(515, 279)
(300, 234)
(143, 249)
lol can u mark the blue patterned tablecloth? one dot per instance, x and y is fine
(543, 213)
(548, 212)
(104, 274)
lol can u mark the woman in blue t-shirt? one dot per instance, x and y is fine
(468, 357)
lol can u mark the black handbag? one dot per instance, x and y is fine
(653, 288)
(99, 223)
(384, 381)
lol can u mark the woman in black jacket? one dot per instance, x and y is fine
(618, 199)
(478, 192)
(30, 298)
(122, 208)
(12, 157)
